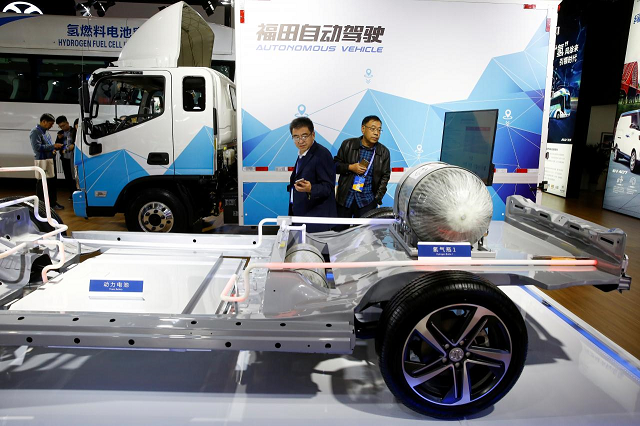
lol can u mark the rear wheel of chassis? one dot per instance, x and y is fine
(451, 344)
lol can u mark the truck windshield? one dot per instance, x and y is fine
(122, 102)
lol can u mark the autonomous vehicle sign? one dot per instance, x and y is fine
(292, 37)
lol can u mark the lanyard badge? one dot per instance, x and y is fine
(358, 181)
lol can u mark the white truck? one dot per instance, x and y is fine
(626, 143)
(153, 127)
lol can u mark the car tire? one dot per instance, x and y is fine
(379, 213)
(156, 210)
(443, 327)
(633, 163)
(557, 115)
(42, 226)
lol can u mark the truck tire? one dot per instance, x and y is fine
(42, 226)
(633, 163)
(379, 213)
(616, 154)
(156, 210)
(451, 344)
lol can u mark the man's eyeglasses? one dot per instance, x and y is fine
(374, 129)
(302, 137)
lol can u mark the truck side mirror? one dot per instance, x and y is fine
(85, 103)
(86, 125)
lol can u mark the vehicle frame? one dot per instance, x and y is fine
(444, 317)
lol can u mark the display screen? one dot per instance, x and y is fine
(467, 141)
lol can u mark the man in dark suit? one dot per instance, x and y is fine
(313, 180)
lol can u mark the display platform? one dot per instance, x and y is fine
(573, 376)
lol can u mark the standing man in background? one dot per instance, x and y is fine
(364, 166)
(313, 180)
(44, 154)
(66, 154)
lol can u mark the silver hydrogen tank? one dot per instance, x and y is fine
(440, 202)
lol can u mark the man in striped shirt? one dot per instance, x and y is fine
(364, 166)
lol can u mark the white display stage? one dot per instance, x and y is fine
(572, 376)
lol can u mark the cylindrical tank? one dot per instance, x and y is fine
(441, 202)
(308, 253)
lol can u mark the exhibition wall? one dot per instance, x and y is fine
(621, 191)
(407, 62)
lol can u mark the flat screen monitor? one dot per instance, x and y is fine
(467, 141)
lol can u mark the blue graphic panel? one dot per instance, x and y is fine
(526, 72)
(498, 204)
(246, 189)
(197, 158)
(387, 200)
(540, 41)
(500, 191)
(110, 173)
(277, 149)
(264, 199)
(251, 144)
(516, 148)
(272, 143)
(494, 82)
(252, 127)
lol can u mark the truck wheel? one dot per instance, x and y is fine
(156, 210)
(379, 213)
(616, 154)
(633, 163)
(42, 226)
(451, 344)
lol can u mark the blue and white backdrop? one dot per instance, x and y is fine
(407, 62)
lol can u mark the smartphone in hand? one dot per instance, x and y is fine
(298, 181)
(364, 162)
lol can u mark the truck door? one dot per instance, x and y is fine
(193, 127)
(132, 124)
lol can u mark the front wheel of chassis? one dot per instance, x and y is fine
(451, 344)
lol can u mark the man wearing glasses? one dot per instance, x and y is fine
(364, 166)
(312, 182)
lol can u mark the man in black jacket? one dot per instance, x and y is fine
(312, 183)
(364, 166)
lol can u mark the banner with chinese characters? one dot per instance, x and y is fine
(565, 85)
(77, 35)
(621, 192)
(565, 92)
(39, 33)
(407, 62)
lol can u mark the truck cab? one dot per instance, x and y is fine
(153, 126)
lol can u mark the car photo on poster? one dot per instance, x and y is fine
(627, 140)
(560, 106)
